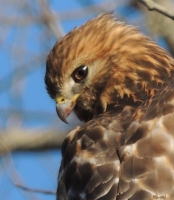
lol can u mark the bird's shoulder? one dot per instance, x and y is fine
(90, 165)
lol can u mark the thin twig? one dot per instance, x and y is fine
(151, 5)
(34, 190)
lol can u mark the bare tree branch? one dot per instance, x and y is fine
(160, 25)
(34, 190)
(151, 5)
(50, 20)
(30, 140)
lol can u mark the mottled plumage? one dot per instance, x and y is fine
(122, 85)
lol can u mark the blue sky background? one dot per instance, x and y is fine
(31, 103)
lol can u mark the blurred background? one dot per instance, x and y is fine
(30, 131)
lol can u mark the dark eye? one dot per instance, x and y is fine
(80, 73)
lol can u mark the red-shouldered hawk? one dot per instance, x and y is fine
(122, 85)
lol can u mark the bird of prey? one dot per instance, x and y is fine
(121, 84)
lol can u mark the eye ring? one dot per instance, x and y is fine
(80, 73)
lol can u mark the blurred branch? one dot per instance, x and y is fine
(30, 140)
(34, 190)
(52, 17)
(23, 21)
(29, 115)
(50, 20)
(151, 5)
(160, 25)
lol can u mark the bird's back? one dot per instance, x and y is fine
(121, 156)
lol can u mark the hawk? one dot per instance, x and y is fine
(121, 84)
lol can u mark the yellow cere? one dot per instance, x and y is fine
(60, 99)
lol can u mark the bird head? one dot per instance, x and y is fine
(101, 65)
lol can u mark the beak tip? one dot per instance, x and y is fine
(64, 120)
(61, 113)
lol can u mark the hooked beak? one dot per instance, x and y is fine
(64, 106)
